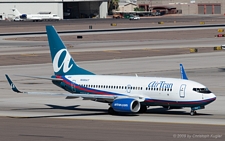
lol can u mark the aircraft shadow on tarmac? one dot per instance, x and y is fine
(221, 69)
(164, 111)
(159, 111)
(74, 107)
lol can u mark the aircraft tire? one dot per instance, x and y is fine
(193, 112)
(111, 111)
(143, 109)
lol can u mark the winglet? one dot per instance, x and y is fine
(183, 73)
(12, 85)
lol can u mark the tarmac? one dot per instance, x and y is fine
(27, 117)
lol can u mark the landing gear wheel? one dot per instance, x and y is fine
(193, 112)
(143, 109)
(111, 111)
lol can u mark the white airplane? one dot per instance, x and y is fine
(130, 94)
(33, 17)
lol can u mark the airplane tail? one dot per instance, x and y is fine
(16, 12)
(63, 63)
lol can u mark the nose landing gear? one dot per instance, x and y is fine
(193, 110)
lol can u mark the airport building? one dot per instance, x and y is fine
(66, 9)
(186, 7)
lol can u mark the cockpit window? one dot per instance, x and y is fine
(202, 90)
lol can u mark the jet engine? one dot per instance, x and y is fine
(23, 16)
(126, 105)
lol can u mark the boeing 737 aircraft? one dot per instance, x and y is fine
(33, 17)
(131, 94)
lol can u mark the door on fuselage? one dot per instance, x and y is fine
(129, 87)
(182, 91)
(73, 87)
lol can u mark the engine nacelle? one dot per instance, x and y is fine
(126, 105)
(23, 16)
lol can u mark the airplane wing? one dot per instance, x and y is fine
(95, 97)
(39, 77)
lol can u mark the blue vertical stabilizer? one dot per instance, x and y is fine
(63, 63)
(183, 73)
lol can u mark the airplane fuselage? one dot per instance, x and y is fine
(156, 91)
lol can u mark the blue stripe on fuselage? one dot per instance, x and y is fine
(88, 90)
(156, 102)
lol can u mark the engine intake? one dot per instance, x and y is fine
(126, 105)
(23, 16)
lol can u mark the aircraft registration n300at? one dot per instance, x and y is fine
(124, 94)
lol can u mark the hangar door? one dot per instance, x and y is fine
(210, 8)
(73, 10)
(201, 9)
(217, 9)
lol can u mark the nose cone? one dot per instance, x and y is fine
(211, 97)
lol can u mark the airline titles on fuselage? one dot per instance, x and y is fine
(160, 85)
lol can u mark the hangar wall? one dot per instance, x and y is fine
(189, 7)
(80, 8)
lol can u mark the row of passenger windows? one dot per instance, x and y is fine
(111, 87)
(124, 87)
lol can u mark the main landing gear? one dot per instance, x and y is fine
(193, 112)
(111, 111)
(143, 109)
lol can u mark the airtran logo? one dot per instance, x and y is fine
(12, 86)
(120, 105)
(160, 84)
(64, 63)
